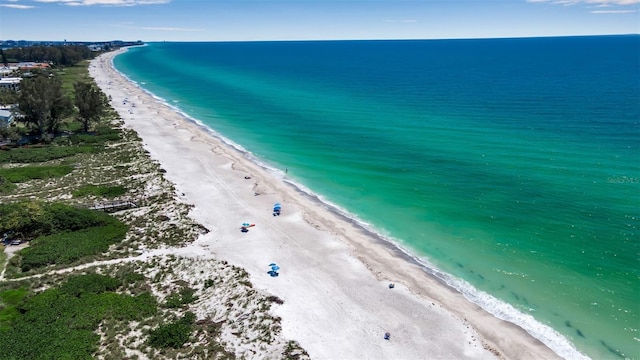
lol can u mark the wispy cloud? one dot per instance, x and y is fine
(596, 2)
(16, 6)
(105, 2)
(164, 28)
(612, 11)
(401, 21)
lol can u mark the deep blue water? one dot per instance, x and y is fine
(512, 166)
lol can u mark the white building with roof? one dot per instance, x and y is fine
(6, 117)
(11, 83)
(7, 70)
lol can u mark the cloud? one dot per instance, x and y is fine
(597, 2)
(165, 29)
(17, 6)
(612, 11)
(402, 21)
(105, 2)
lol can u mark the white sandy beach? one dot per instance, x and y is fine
(334, 276)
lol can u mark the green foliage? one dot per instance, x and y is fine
(60, 323)
(22, 174)
(65, 55)
(174, 334)
(3, 258)
(91, 283)
(102, 191)
(6, 185)
(68, 247)
(73, 74)
(185, 296)
(68, 218)
(12, 297)
(90, 102)
(22, 219)
(95, 139)
(43, 103)
(9, 299)
(209, 283)
(8, 97)
(30, 218)
(42, 153)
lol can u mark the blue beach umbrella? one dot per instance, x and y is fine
(246, 224)
(272, 264)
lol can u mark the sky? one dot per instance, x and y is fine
(249, 20)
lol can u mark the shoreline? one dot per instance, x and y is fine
(334, 273)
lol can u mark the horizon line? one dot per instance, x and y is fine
(354, 39)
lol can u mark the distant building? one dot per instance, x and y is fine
(12, 83)
(5, 71)
(31, 65)
(6, 117)
(95, 47)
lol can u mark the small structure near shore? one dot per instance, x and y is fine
(111, 206)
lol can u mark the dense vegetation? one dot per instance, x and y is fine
(101, 191)
(47, 101)
(63, 234)
(61, 323)
(43, 103)
(66, 248)
(58, 55)
(22, 174)
(42, 153)
(173, 334)
(185, 296)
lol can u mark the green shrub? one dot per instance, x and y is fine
(6, 185)
(173, 335)
(102, 191)
(42, 154)
(91, 283)
(96, 139)
(57, 324)
(68, 218)
(30, 219)
(9, 299)
(185, 296)
(68, 247)
(22, 174)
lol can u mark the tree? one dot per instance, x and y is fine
(24, 220)
(90, 102)
(4, 58)
(8, 97)
(43, 103)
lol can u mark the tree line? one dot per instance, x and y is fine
(58, 54)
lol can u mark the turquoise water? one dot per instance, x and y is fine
(511, 167)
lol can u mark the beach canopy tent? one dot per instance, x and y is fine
(245, 227)
(276, 209)
(274, 270)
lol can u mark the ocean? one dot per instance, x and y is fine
(509, 167)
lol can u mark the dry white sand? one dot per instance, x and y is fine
(334, 276)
